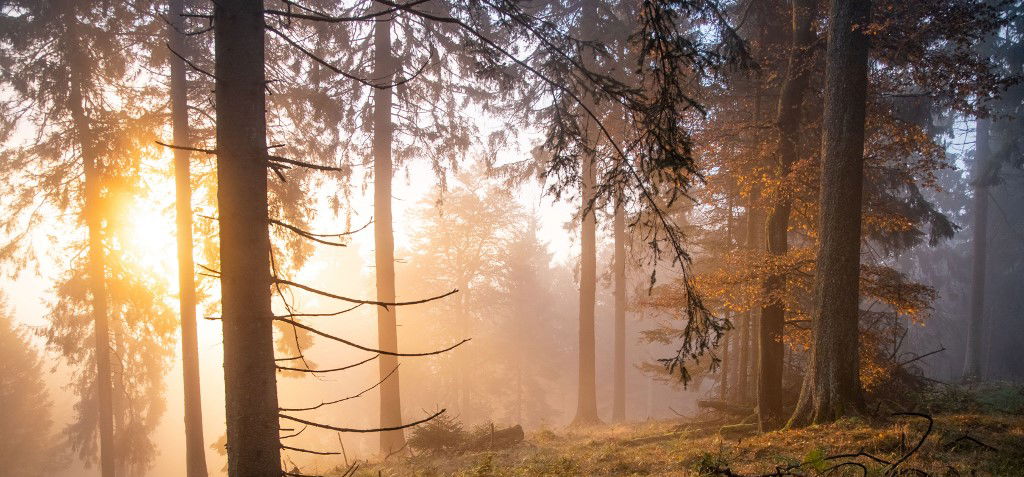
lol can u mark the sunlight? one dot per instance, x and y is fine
(147, 234)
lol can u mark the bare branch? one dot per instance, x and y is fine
(317, 371)
(336, 313)
(276, 159)
(349, 429)
(346, 398)
(190, 63)
(360, 301)
(364, 348)
(307, 451)
(187, 148)
(309, 235)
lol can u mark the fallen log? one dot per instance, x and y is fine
(498, 439)
(725, 406)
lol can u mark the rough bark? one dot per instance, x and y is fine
(723, 383)
(250, 388)
(787, 124)
(195, 449)
(383, 235)
(831, 386)
(619, 389)
(979, 253)
(95, 266)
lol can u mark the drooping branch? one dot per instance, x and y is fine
(318, 16)
(336, 313)
(361, 301)
(364, 348)
(307, 235)
(276, 160)
(308, 451)
(318, 371)
(190, 63)
(340, 71)
(346, 398)
(349, 429)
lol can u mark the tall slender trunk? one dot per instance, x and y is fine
(788, 118)
(979, 252)
(743, 358)
(250, 388)
(384, 240)
(619, 391)
(95, 266)
(724, 385)
(832, 385)
(195, 449)
(586, 407)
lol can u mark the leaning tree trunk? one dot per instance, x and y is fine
(979, 252)
(586, 407)
(788, 119)
(95, 266)
(250, 388)
(619, 390)
(195, 450)
(831, 386)
(384, 240)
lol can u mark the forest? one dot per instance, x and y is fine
(371, 238)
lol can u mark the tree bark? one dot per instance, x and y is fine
(979, 252)
(384, 240)
(250, 388)
(619, 391)
(96, 262)
(195, 449)
(586, 408)
(832, 386)
(788, 118)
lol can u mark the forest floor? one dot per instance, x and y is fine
(956, 444)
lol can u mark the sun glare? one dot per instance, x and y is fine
(149, 236)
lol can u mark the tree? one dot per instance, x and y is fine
(384, 71)
(786, 152)
(195, 449)
(831, 386)
(249, 383)
(68, 69)
(27, 448)
(979, 230)
(619, 268)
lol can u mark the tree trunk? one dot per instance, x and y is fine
(586, 408)
(979, 252)
(788, 118)
(195, 449)
(619, 392)
(723, 383)
(250, 388)
(832, 385)
(743, 358)
(96, 266)
(384, 240)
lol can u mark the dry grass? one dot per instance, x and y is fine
(690, 448)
